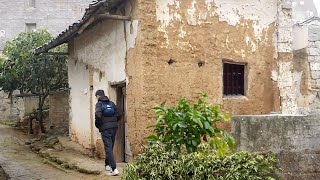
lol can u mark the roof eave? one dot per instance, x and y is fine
(60, 40)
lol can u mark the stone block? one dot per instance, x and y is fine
(314, 44)
(312, 98)
(284, 47)
(314, 51)
(314, 58)
(285, 35)
(315, 66)
(314, 36)
(315, 105)
(315, 84)
(315, 74)
(318, 83)
(314, 30)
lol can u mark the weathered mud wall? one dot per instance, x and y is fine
(59, 112)
(197, 36)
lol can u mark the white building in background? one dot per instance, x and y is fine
(18, 16)
(24, 15)
(305, 9)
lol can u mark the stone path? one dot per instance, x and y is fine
(20, 163)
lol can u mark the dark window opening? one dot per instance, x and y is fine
(30, 27)
(233, 79)
(32, 3)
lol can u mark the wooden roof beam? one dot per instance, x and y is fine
(115, 17)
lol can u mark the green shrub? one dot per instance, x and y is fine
(156, 162)
(185, 125)
(177, 151)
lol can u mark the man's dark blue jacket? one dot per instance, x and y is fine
(102, 122)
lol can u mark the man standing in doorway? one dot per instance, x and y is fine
(106, 120)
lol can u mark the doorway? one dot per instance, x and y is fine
(119, 145)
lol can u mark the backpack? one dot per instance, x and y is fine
(107, 109)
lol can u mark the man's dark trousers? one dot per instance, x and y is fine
(108, 137)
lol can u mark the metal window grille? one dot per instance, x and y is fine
(233, 79)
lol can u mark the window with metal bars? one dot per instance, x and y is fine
(233, 79)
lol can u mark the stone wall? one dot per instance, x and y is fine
(314, 62)
(11, 111)
(31, 103)
(295, 139)
(59, 112)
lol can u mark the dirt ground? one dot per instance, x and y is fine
(19, 162)
(2, 174)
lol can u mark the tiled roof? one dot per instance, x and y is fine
(94, 8)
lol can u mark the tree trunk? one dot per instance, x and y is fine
(42, 99)
(11, 97)
(30, 126)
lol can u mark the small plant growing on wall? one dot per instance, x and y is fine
(186, 126)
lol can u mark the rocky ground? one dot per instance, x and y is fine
(43, 162)
(3, 175)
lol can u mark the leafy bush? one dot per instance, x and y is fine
(185, 125)
(189, 145)
(156, 162)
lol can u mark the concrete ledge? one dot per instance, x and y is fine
(295, 140)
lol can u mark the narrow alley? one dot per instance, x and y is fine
(19, 162)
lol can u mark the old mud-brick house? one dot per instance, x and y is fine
(143, 52)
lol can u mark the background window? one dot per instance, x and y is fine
(233, 79)
(30, 27)
(32, 3)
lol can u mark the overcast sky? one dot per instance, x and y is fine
(317, 3)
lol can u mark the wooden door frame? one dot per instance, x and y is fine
(118, 87)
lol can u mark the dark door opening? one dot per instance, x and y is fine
(119, 146)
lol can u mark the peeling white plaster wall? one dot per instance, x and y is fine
(79, 116)
(131, 33)
(104, 47)
(288, 79)
(289, 86)
(300, 40)
(262, 13)
(99, 82)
